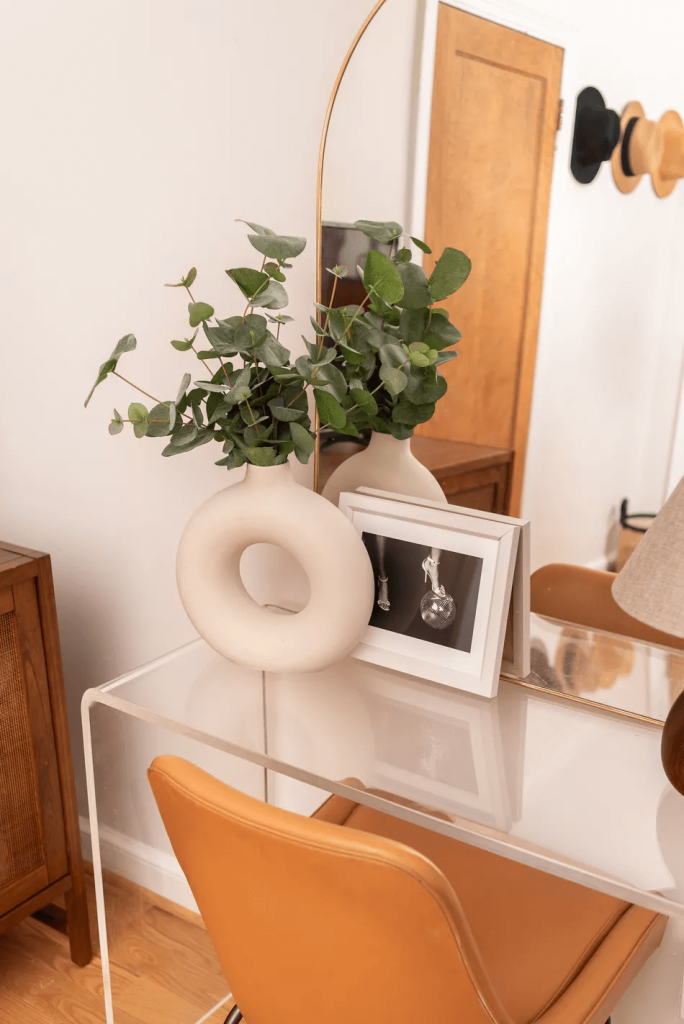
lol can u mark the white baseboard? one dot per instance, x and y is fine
(153, 869)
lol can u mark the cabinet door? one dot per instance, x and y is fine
(32, 844)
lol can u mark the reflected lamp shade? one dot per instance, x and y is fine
(651, 585)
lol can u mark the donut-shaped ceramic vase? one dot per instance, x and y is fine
(269, 507)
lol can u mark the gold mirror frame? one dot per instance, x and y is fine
(319, 199)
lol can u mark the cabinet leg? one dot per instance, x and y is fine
(78, 926)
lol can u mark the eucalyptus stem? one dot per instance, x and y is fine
(131, 384)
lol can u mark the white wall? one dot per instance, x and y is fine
(134, 132)
(612, 328)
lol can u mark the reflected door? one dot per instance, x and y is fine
(494, 119)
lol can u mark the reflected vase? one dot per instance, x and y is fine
(387, 464)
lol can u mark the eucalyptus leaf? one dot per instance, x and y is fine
(187, 442)
(380, 231)
(273, 296)
(259, 456)
(199, 311)
(381, 277)
(125, 344)
(284, 413)
(411, 415)
(232, 461)
(256, 227)
(412, 325)
(271, 352)
(330, 411)
(274, 271)
(161, 420)
(416, 292)
(392, 356)
(421, 245)
(183, 387)
(278, 247)
(337, 324)
(318, 328)
(337, 383)
(303, 440)
(221, 338)
(249, 281)
(137, 414)
(425, 386)
(364, 400)
(394, 379)
(440, 333)
(116, 426)
(450, 272)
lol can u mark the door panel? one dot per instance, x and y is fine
(494, 120)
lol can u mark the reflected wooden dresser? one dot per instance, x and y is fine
(471, 475)
(40, 853)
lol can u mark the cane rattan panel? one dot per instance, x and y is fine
(21, 847)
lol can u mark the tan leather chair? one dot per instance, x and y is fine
(354, 915)
(576, 594)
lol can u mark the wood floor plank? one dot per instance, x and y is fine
(163, 965)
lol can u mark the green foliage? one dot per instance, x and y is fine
(375, 366)
(125, 344)
(256, 408)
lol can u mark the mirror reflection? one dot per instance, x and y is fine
(564, 404)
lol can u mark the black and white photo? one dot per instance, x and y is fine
(443, 584)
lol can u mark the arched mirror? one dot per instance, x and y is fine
(454, 142)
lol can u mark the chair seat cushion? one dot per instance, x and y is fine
(535, 932)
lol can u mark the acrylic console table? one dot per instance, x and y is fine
(569, 788)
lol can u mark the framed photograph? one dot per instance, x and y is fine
(515, 661)
(443, 586)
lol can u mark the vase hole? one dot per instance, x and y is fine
(273, 576)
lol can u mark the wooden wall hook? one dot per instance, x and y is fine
(671, 166)
(640, 148)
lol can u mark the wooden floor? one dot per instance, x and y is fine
(164, 969)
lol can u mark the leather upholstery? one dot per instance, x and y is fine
(382, 922)
(576, 594)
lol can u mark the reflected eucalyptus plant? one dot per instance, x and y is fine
(257, 407)
(381, 357)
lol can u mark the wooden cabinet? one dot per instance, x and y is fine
(471, 475)
(40, 856)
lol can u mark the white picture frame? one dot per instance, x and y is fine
(515, 661)
(464, 650)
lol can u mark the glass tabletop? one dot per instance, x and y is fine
(566, 787)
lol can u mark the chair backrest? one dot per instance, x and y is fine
(576, 594)
(313, 922)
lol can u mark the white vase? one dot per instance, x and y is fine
(268, 506)
(388, 465)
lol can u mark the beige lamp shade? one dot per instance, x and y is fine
(651, 585)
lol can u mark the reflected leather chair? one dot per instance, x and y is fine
(354, 915)
(583, 596)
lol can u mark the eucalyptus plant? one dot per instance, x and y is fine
(256, 407)
(381, 357)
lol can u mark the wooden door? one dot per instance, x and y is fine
(32, 845)
(495, 113)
